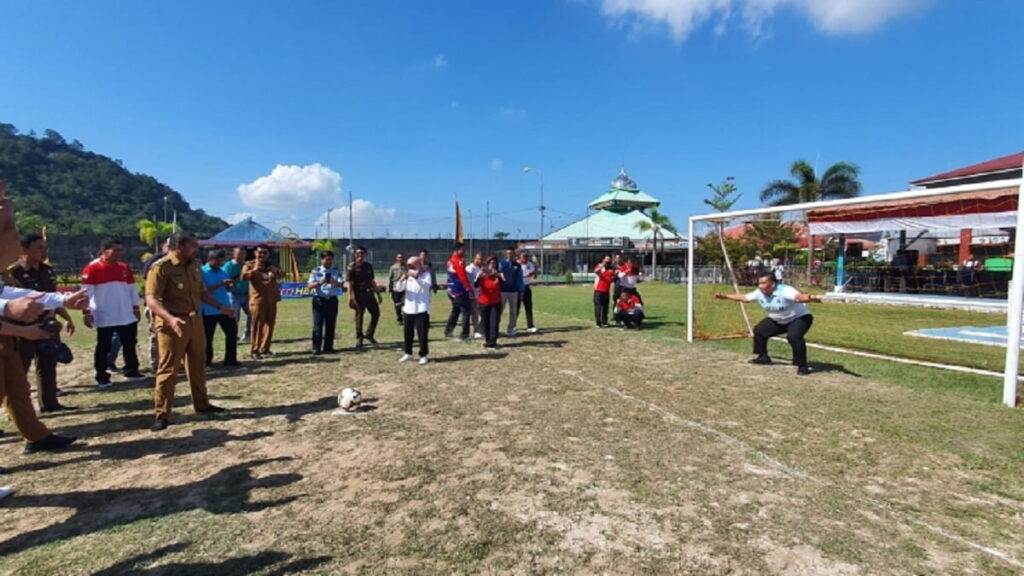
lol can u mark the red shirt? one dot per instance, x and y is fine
(629, 304)
(604, 280)
(490, 289)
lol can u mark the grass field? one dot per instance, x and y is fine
(573, 451)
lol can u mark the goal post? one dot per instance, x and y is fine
(826, 227)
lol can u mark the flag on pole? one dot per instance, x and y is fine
(458, 223)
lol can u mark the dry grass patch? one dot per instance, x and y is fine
(574, 451)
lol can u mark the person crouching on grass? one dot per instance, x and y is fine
(629, 310)
(415, 285)
(787, 313)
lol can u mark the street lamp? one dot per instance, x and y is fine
(165, 209)
(540, 238)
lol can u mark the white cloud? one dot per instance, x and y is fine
(365, 217)
(293, 187)
(440, 62)
(681, 17)
(513, 113)
(855, 16)
(236, 218)
(497, 165)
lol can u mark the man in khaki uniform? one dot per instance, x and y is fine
(24, 306)
(264, 295)
(174, 292)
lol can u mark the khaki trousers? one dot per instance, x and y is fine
(264, 316)
(192, 347)
(16, 394)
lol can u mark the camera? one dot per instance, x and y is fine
(51, 326)
(56, 351)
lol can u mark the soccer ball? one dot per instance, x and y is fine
(349, 399)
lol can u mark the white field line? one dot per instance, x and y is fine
(780, 466)
(950, 367)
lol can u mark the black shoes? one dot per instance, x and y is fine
(234, 364)
(160, 424)
(764, 360)
(330, 351)
(803, 371)
(255, 356)
(49, 444)
(372, 340)
(211, 409)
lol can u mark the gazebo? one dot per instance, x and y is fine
(249, 233)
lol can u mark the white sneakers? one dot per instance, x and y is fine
(532, 330)
(477, 335)
(408, 358)
(5, 491)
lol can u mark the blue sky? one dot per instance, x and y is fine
(281, 109)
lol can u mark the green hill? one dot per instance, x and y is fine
(75, 192)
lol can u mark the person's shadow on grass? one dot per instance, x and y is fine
(166, 446)
(826, 367)
(226, 492)
(249, 564)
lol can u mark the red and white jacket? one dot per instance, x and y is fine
(113, 296)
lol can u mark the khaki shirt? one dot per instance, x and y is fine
(177, 284)
(262, 283)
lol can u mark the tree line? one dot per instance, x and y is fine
(74, 192)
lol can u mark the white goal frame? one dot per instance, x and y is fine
(1015, 298)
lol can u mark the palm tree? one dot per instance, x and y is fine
(841, 180)
(151, 231)
(657, 225)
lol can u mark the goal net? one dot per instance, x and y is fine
(891, 268)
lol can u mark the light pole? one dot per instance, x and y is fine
(540, 238)
(165, 209)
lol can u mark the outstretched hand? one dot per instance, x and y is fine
(24, 309)
(77, 300)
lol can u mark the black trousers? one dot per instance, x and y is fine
(490, 319)
(128, 333)
(325, 320)
(229, 326)
(397, 298)
(601, 301)
(366, 302)
(416, 325)
(526, 299)
(461, 304)
(794, 332)
(630, 319)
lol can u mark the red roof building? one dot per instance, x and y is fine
(1005, 168)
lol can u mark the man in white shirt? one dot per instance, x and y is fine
(787, 314)
(530, 274)
(473, 272)
(113, 308)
